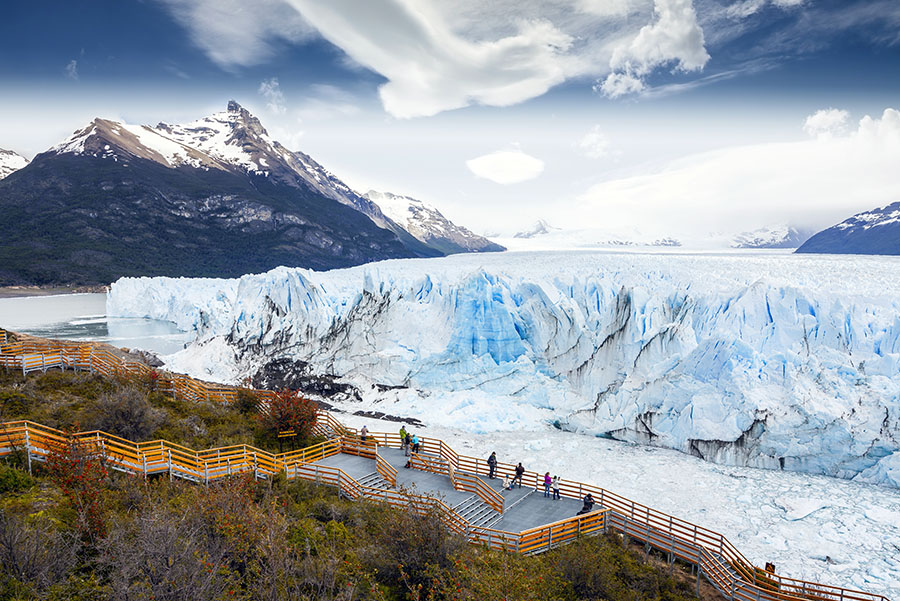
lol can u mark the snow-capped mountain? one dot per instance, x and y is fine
(875, 232)
(10, 161)
(214, 197)
(427, 224)
(779, 236)
(540, 228)
(740, 359)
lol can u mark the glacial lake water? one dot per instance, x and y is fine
(83, 317)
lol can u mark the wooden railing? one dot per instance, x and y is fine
(719, 559)
(385, 469)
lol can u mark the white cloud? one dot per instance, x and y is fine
(827, 123)
(674, 37)
(239, 33)
(595, 144)
(429, 67)
(72, 70)
(813, 183)
(271, 91)
(506, 166)
(619, 84)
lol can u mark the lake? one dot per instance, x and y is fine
(83, 317)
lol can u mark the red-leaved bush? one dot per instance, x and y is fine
(80, 472)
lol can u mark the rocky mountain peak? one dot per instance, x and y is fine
(10, 161)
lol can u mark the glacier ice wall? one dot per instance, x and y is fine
(771, 361)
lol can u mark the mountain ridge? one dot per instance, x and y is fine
(117, 199)
(873, 232)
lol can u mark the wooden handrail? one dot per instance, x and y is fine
(707, 542)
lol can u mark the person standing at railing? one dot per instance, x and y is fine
(492, 464)
(403, 438)
(520, 471)
(363, 432)
(407, 443)
(555, 485)
(547, 482)
(415, 443)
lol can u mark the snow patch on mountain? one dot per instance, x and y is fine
(10, 161)
(778, 361)
(540, 228)
(875, 232)
(426, 223)
(778, 236)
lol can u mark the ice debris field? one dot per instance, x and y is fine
(761, 359)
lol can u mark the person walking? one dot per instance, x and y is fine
(492, 464)
(588, 504)
(547, 481)
(520, 471)
(555, 485)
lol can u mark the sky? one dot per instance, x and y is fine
(633, 118)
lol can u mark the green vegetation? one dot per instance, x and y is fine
(77, 531)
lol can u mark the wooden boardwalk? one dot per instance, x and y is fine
(454, 487)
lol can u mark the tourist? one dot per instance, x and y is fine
(520, 471)
(506, 483)
(403, 437)
(588, 503)
(407, 443)
(492, 465)
(363, 432)
(547, 482)
(415, 443)
(555, 485)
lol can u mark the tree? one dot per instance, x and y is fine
(287, 411)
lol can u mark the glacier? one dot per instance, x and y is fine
(760, 359)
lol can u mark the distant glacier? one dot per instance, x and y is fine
(758, 359)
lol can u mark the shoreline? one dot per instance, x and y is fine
(32, 291)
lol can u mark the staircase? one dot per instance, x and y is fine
(374, 480)
(477, 512)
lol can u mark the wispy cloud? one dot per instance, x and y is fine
(811, 183)
(595, 144)
(72, 70)
(271, 91)
(239, 33)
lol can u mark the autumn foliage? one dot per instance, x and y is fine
(289, 411)
(78, 470)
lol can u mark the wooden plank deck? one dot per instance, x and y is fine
(525, 507)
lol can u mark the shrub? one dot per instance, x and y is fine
(33, 556)
(13, 480)
(125, 412)
(80, 476)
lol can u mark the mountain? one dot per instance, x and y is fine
(10, 161)
(215, 197)
(875, 232)
(779, 236)
(428, 225)
(540, 228)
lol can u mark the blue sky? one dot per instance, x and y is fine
(621, 114)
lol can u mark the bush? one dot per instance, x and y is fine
(125, 412)
(13, 480)
(32, 556)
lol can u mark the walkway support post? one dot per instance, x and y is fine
(28, 448)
